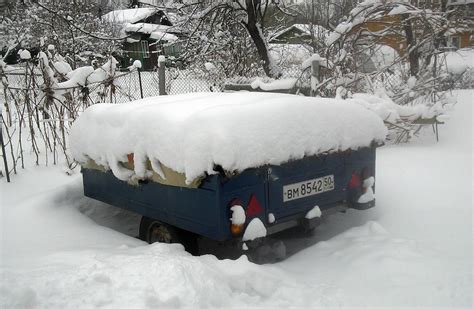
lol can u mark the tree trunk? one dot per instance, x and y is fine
(411, 45)
(256, 33)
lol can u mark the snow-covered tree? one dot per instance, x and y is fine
(235, 28)
(73, 28)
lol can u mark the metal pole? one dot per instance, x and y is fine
(314, 76)
(5, 162)
(140, 81)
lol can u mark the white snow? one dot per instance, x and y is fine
(59, 249)
(279, 84)
(399, 9)
(87, 75)
(156, 32)
(315, 212)
(161, 60)
(271, 218)
(255, 229)
(287, 55)
(388, 111)
(411, 82)
(238, 215)
(193, 132)
(137, 64)
(457, 62)
(307, 63)
(369, 193)
(62, 67)
(210, 67)
(340, 30)
(128, 16)
(159, 35)
(317, 31)
(25, 54)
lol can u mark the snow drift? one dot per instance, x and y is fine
(194, 132)
(413, 250)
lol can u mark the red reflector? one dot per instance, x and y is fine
(253, 208)
(355, 181)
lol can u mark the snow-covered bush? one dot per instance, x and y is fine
(43, 97)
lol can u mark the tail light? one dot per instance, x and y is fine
(361, 185)
(355, 181)
(239, 214)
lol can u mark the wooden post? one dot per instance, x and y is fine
(161, 75)
(5, 162)
(140, 81)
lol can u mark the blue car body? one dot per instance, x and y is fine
(206, 210)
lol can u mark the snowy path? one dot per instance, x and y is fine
(413, 249)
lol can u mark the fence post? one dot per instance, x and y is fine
(161, 74)
(314, 76)
(5, 162)
(140, 82)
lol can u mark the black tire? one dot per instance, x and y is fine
(152, 230)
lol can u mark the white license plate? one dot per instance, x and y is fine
(306, 188)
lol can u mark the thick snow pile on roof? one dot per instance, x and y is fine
(156, 32)
(308, 29)
(145, 28)
(128, 16)
(191, 133)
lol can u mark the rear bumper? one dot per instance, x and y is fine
(312, 223)
(262, 250)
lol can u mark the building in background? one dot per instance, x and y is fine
(149, 33)
(463, 12)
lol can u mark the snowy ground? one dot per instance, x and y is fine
(59, 249)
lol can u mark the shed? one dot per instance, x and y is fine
(150, 32)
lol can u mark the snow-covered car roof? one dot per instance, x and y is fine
(192, 133)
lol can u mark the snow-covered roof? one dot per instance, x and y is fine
(191, 133)
(129, 15)
(459, 2)
(156, 32)
(307, 29)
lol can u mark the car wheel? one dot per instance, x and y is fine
(152, 230)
